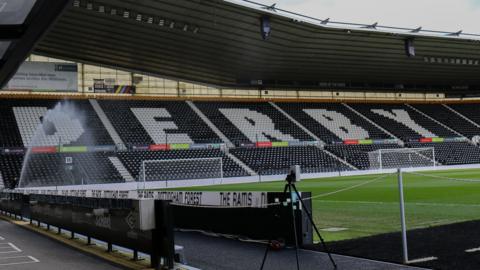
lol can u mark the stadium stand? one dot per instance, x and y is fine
(147, 122)
(157, 122)
(332, 122)
(450, 119)
(268, 161)
(402, 121)
(453, 153)
(357, 155)
(20, 119)
(251, 122)
(133, 161)
(11, 166)
(86, 168)
(470, 111)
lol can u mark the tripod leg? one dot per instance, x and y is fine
(316, 229)
(294, 225)
(265, 255)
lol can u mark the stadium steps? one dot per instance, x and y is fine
(338, 158)
(2, 185)
(121, 169)
(242, 164)
(402, 143)
(107, 124)
(461, 115)
(297, 123)
(434, 120)
(210, 124)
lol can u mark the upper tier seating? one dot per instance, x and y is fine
(248, 122)
(332, 122)
(450, 119)
(157, 122)
(75, 124)
(133, 160)
(472, 112)
(453, 153)
(52, 170)
(357, 155)
(267, 161)
(402, 121)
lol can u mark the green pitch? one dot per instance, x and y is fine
(373, 206)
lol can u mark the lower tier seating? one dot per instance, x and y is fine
(56, 169)
(357, 155)
(11, 166)
(270, 161)
(133, 162)
(453, 153)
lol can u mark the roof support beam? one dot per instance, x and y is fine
(42, 16)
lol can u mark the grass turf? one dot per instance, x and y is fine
(373, 208)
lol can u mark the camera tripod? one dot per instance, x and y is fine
(290, 189)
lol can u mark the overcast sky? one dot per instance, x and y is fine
(447, 15)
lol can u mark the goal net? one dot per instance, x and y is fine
(402, 158)
(181, 169)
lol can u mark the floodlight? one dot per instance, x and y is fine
(265, 29)
(409, 47)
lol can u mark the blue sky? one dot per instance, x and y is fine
(448, 15)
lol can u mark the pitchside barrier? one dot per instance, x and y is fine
(140, 225)
(121, 217)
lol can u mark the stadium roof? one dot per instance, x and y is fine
(220, 43)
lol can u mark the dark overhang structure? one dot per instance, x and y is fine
(225, 43)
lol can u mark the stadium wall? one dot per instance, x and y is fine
(162, 87)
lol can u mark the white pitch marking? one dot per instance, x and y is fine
(414, 203)
(421, 260)
(13, 247)
(32, 260)
(1, 238)
(334, 229)
(471, 250)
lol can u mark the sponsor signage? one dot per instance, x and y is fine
(280, 144)
(190, 198)
(43, 76)
(102, 148)
(158, 147)
(44, 149)
(264, 144)
(176, 146)
(73, 149)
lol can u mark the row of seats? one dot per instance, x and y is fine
(157, 122)
(358, 155)
(250, 122)
(268, 161)
(133, 161)
(20, 119)
(65, 169)
(333, 122)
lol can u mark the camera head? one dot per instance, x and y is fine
(294, 175)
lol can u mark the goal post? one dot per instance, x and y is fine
(181, 169)
(395, 158)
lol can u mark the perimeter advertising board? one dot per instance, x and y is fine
(43, 76)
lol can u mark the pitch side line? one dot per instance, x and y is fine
(414, 203)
